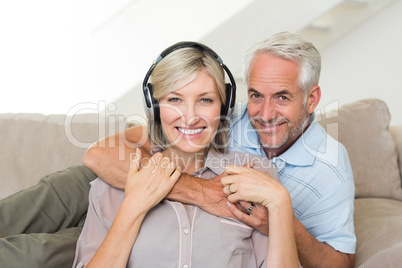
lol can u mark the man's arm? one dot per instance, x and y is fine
(313, 253)
(110, 160)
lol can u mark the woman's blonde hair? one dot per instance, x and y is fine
(176, 70)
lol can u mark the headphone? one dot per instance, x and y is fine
(151, 104)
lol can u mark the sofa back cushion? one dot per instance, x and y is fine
(34, 145)
(363, 128)
(396, 132)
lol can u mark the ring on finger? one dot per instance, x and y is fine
(250, 208)
(228, 188)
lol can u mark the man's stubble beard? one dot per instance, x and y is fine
(290, 133)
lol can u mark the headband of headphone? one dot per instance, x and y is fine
(151, 104)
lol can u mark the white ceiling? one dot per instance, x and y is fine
(65, 56)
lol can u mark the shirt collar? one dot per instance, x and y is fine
(214, 162)
(242, 132)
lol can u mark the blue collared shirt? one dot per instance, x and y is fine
(318, 175)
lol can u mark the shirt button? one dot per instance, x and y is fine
(185, 266)
(186, 231)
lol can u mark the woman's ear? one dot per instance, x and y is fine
(313, 99)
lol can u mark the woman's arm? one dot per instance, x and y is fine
(110, 160)
(140, 196)
(258, 187)
(116, 247)
(311, 252)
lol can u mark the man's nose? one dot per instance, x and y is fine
(268, 110)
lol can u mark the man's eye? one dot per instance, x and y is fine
(282, 98)
(254, 96)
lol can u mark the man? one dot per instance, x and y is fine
(282, 76)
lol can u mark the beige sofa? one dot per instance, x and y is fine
(34, 145)
(374, 150)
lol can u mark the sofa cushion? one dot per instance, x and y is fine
(362, 127)
(396, 132)
(378, 224)
(34, 145)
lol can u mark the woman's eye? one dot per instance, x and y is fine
(206, 100)
(173, 100)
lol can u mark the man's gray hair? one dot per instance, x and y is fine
(293, 47)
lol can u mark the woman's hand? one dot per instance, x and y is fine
(251, 185)
(147, 186)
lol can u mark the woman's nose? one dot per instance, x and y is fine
(190, 114)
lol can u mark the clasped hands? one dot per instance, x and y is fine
(244, 187)
(249, 194)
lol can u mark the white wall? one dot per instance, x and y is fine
(231, 38)
(67, 56)
(50, 50)
(367, 63)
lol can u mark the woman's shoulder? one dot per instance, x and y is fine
(105, 192)
(106, 200)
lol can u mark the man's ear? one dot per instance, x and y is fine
(313, 99)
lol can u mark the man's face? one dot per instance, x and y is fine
(275, 102)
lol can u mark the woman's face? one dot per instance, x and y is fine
(190, 115)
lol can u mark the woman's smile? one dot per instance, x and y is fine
(190, 132)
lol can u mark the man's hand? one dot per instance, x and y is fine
(256, 218)
(216, 201)
(206, 194)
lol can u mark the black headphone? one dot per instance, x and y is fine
(151, 104)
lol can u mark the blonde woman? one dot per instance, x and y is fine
(187, 104)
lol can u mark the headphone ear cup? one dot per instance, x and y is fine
(157, 117)
(227, 107)
(154, 109)
(148, 103)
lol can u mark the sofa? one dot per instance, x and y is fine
(374, 150)
(34, 145)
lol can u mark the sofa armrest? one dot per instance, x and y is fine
(396, 132)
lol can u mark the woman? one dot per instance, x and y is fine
(137, 228)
